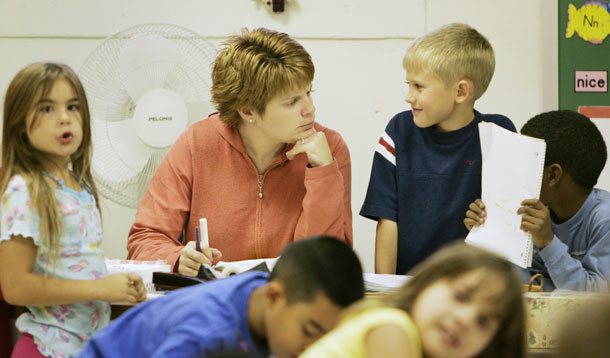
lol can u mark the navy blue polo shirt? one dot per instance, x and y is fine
(424, 180)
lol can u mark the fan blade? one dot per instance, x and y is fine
(144, 62)
(199, 110)
(118, 152)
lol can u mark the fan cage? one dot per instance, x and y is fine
(109, 101)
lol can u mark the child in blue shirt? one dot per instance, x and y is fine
(570, 224)
(250, 313)
(427, 164)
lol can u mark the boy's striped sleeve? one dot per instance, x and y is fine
(386, 148)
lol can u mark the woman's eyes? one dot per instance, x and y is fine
(296, 99)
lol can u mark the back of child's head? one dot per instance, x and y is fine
(29, 86)
(254, 67)
(572, 141)
(453, 52)
(320, 265)
(458, 259)
(585, 332)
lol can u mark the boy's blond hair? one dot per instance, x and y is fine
(255, 66)
(453, 52)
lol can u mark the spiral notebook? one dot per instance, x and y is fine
(512, 170)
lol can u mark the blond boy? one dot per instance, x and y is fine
(427, 164)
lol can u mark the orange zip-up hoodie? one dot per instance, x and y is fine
(208, 174)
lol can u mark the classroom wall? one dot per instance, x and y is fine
(357, 47)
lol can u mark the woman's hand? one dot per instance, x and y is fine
(190, 259)
(315, 147)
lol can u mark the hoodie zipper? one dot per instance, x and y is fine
(259, 210)
(261, 177)
(260, 185)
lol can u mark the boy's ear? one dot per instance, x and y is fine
(464, 92)
(555, 173)
(276, 292)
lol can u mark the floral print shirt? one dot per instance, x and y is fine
(60, 331)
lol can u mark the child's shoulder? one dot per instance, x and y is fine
(602, 194)
(371, 307)
(16, 199)
(402, 117)
(594, 214)
(401, 122)
(386, 312)
(18, 182)
(19, 179)
(600, 202)
(499, 119)
(234, 284)
(375, 316)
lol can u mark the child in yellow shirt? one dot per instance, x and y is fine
(460, 302)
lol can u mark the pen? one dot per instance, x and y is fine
(203, 225)
(197, 239)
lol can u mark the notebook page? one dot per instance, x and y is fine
(511, 172)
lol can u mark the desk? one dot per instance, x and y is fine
(540, 353)
(547, 311)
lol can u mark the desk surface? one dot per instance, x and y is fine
(540, 353)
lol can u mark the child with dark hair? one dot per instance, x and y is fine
(570, 224)
(250, 313)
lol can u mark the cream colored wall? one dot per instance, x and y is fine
(357, 47)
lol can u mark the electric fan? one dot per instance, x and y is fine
(145, 85)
